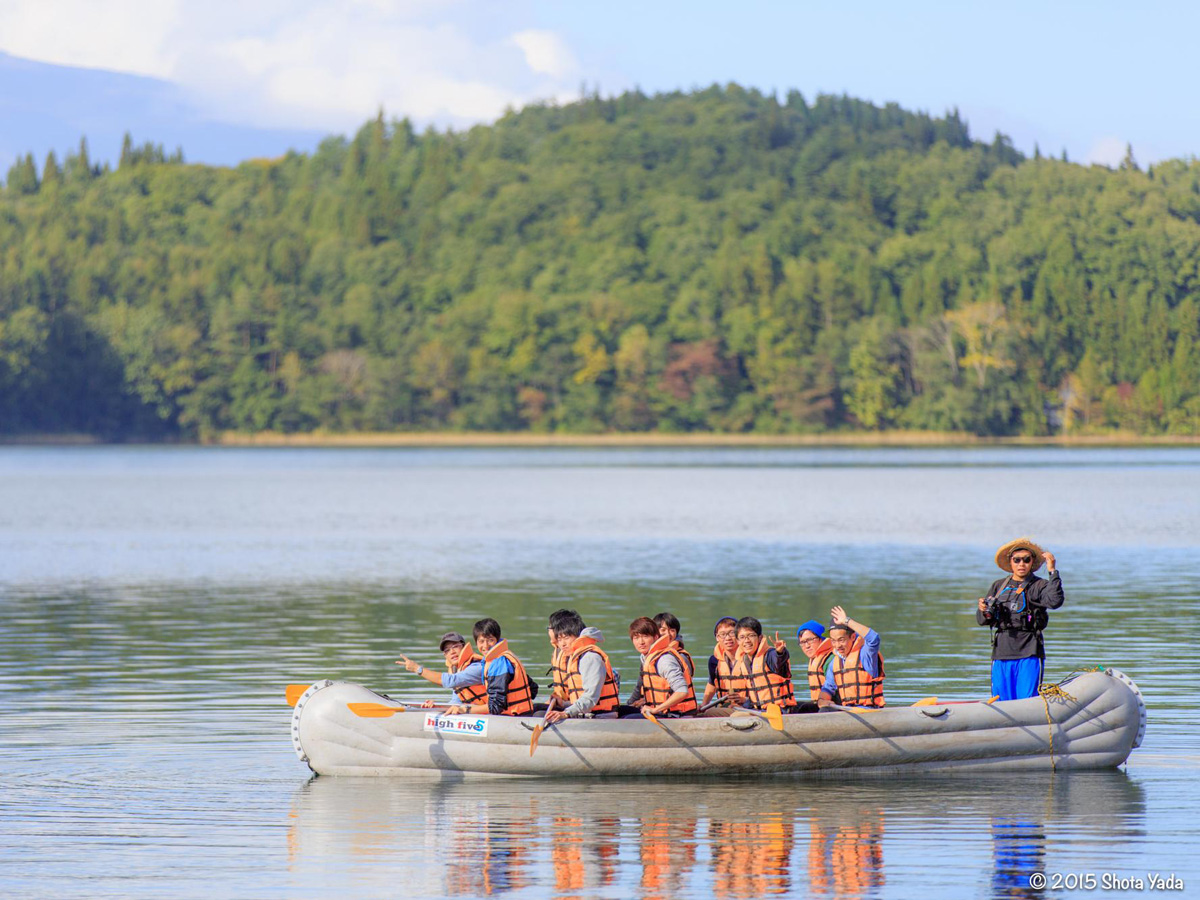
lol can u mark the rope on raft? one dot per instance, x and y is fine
(1055, 692)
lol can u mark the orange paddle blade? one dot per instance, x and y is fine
(774, 716)
(649, 715)
(533, 741)
(993, 700)
(294, 693)
(926, 701)
(374, 710)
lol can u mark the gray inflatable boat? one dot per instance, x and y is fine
(1089, 721)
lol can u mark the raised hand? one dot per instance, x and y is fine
(1050, 561)
(780, 644)
(839, 616)
(408, 663)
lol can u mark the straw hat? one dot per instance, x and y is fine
(1022, 543)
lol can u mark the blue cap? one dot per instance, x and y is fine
(811, 625)
(732, 619)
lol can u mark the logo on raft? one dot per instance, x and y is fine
(471, 726)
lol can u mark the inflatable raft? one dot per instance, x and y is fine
(1089, 721)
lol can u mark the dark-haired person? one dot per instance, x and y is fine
(1017, 609)
(816, 646)
(723, 678)
(558, 658)
(765, 665)
(509, 690)
(857, 674)
(669, 625)
(665, 677)
(464, 670)
(591, 683)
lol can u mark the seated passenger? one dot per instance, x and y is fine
(857, 673)
(812, 640)
(668, 624)
(723, 680)
(464, 673)
(666, 681)
(591, 683)
(765, 667)
(509, 690)
(558, 660)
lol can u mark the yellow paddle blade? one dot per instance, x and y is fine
(926, 701)
(774, 716)
(533, 741)
(649, 715)
(993, 700)
(374, 710)
(294, 693)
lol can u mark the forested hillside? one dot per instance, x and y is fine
(714, 261)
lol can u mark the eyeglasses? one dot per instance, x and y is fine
(721, 635)
(807, 641)
(1021, 559)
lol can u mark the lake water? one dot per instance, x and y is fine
(155, 601)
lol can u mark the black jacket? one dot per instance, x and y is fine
(1015, 637)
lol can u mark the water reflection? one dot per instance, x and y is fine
(698, 838)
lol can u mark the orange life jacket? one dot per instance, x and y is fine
(762, 685)
(730, 680)
(472, 693)
(608, 694)
(519, 701)
(855, 686)
(816, 668)
(558, 673)
(687, 658)
(655, 688)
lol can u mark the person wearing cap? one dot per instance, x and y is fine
(510, 691)
(856, 676)
(464, 673)
(811, 638)
(724, 678)
(1016, 608)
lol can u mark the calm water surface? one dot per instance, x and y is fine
(153, 603)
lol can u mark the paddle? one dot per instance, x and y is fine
(540, 727)
(711, 703)
(375, 710)
(294, 693)
(771, 712)
(646, 714)
(379, 711)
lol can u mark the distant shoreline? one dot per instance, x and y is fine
(636, 439)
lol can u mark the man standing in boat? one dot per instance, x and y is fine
(1016, 608)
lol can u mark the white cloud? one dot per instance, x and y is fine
(326, 64)
(1108, 151)
(546, 53)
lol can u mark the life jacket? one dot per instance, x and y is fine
(608, 694)
(730, 679)
(687, 658)
(1014, 613)
(558, 673)
(655, 688)
(519, 701)
(816, 668)
(762, 685)
(472, 693)
(855, 686)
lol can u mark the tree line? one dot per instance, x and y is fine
(715, 261)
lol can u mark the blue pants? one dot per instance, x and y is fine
(1016, 679)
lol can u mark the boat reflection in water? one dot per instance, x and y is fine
(737, 837)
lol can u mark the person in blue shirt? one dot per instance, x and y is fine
(857, 673)
(464, 673)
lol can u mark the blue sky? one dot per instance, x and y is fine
(229, 80)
